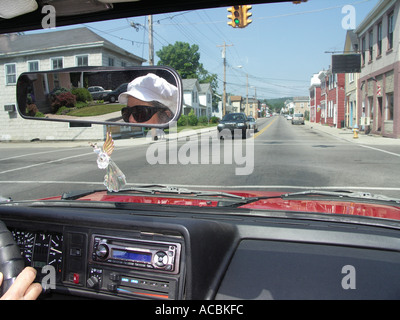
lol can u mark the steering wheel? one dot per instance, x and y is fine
(11, 261)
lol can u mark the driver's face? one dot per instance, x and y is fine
(132, 102)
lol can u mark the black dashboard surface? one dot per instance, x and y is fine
(167, 255)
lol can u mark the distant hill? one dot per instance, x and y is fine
(277, 103)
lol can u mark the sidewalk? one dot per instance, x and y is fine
(348, 135)
(138, 140)
(168, 136)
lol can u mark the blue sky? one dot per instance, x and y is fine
(278, 52)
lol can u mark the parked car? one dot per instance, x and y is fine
(289, 117)
(112, 96)
(298, 118)
(253, 123)
(98, 93)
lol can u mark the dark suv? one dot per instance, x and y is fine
(233, 123)
(113, 95)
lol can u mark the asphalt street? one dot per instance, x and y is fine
(280, 157)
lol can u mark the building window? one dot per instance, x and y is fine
(370, 44)
(111, 62)
(33, 66)
(351, 77)
(56, 81)
(379, 42)
(389, 106)
(82, 61)
(390, 30)
(363, 46)
(11, 73)
(123, 64)
(371, 108)
(56, 63)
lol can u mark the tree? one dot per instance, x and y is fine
(185, 59)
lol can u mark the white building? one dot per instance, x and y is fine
(197, 97)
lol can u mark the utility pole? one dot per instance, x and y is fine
(224, 94)
(151, 45)
(247, 94)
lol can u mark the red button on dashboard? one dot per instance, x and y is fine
(76, 278)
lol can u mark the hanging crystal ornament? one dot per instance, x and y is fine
(114, 180)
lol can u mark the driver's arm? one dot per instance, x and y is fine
(23, 287)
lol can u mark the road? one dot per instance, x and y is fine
(278, 157)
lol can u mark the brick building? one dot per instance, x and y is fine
(332, 98)
(379, 81)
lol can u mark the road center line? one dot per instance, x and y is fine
(259, 132)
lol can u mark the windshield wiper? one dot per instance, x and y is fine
(359, 195)
(155, 189)
(324, 195)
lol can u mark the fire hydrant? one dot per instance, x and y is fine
(355, 132)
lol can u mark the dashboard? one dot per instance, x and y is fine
(96, 262)
(176, 254)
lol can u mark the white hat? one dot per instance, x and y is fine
(149, 88)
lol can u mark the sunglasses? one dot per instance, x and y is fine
(139, 113)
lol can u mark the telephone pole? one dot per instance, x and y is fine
(151, 45)
(224, 59)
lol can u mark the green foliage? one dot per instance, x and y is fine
(192, 119)
(203, 120)
(214, 120)
(81, 104)
(183, 121)
(63, 110)
(183, 57)
(82, 94)
(58, 91)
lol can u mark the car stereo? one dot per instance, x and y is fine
(158, 256)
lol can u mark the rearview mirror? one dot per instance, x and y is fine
(133, 96)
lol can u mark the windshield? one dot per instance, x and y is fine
(276, 68)
(233, 117)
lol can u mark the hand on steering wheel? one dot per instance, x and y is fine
(23, 287)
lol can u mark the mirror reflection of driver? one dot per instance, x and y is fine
(149, 99)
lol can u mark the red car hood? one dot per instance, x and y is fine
(311, 205)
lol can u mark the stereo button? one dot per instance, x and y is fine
(102, 251)
(92, 282)
(160, 259)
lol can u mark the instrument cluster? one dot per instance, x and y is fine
(40, 249)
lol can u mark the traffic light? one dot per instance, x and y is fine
(235, 16)
(245, 16)
(239, 17)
